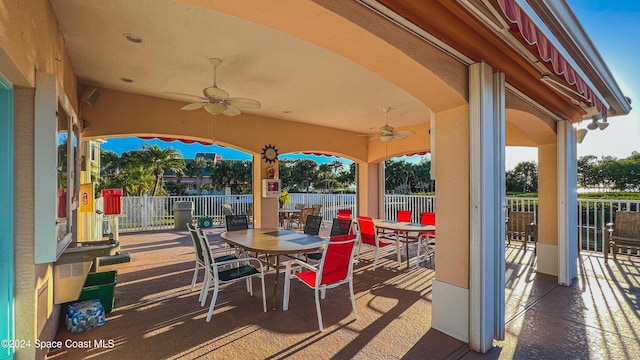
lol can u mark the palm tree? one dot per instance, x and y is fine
(194, 168)
(156, 160)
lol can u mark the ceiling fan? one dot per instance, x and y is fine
(217, 101)
(386, 132)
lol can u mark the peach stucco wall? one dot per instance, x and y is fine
(548, 194)
(452, 211)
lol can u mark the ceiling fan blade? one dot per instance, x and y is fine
(193, 106)
(188, 95)
(404, 133)
(400, 137)
(244, 103)
(215, 92)
(214, 108)
(231, 111)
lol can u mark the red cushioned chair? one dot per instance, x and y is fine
(368, 235)
(336, 268)
(427, 240)
(344, 214)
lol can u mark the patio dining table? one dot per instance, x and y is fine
(404, 228)
(272, 241)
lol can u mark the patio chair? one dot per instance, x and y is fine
(368, 235)
(295, 217)
(316, 209)
(427, 240)
(344, 214)
(341, 227)
(302, 219)
(196, 233)
(215, 272)
(312, 225)
(336, 268)
(521, 226)
(625, 232)
(401, 216)
(236, 222)
(226, 209)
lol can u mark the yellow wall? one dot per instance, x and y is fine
(548, 194)
(452, 211)
(24, 49)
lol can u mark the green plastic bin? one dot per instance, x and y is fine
(205, 222)
(100, 285)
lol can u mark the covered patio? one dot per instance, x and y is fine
(156, 316)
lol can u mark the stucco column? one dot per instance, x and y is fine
(368, 188)
(547, 247)
(451, 285)
(265, 210)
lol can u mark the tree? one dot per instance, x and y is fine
(156, 160)
(523, 178)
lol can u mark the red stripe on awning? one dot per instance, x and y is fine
(533, 36)
(174, 139)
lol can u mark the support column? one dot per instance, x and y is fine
(567, 204)
(368, 185)
(547, 246)
(451, 284)
(468, 292)
(265, 210)
(486, 214)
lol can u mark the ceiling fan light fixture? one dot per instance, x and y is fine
(214, 108)
(593, 125)
(386, 138)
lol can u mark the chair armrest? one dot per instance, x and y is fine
(302, 264)
(240, 260)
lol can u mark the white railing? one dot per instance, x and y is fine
(142, 213)
(416, 203)
(593, 217)
(331, 203)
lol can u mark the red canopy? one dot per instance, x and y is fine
(534, 37)
(174, 139)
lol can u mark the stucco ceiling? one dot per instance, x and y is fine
(293, 79)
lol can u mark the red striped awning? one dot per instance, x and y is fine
(167, 139)
(534, 38)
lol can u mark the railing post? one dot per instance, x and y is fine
(145, 212)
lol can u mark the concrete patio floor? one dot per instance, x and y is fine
(157, 317)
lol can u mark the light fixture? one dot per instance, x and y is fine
(214, 108)
(580, 134)
(385, 138)
(594, 124)
(603, 125)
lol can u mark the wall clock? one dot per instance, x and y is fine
(270, 153)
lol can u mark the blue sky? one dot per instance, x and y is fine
(614, 29)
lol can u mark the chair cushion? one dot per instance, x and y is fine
(237, 273)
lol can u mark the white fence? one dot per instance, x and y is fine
(143, 213)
